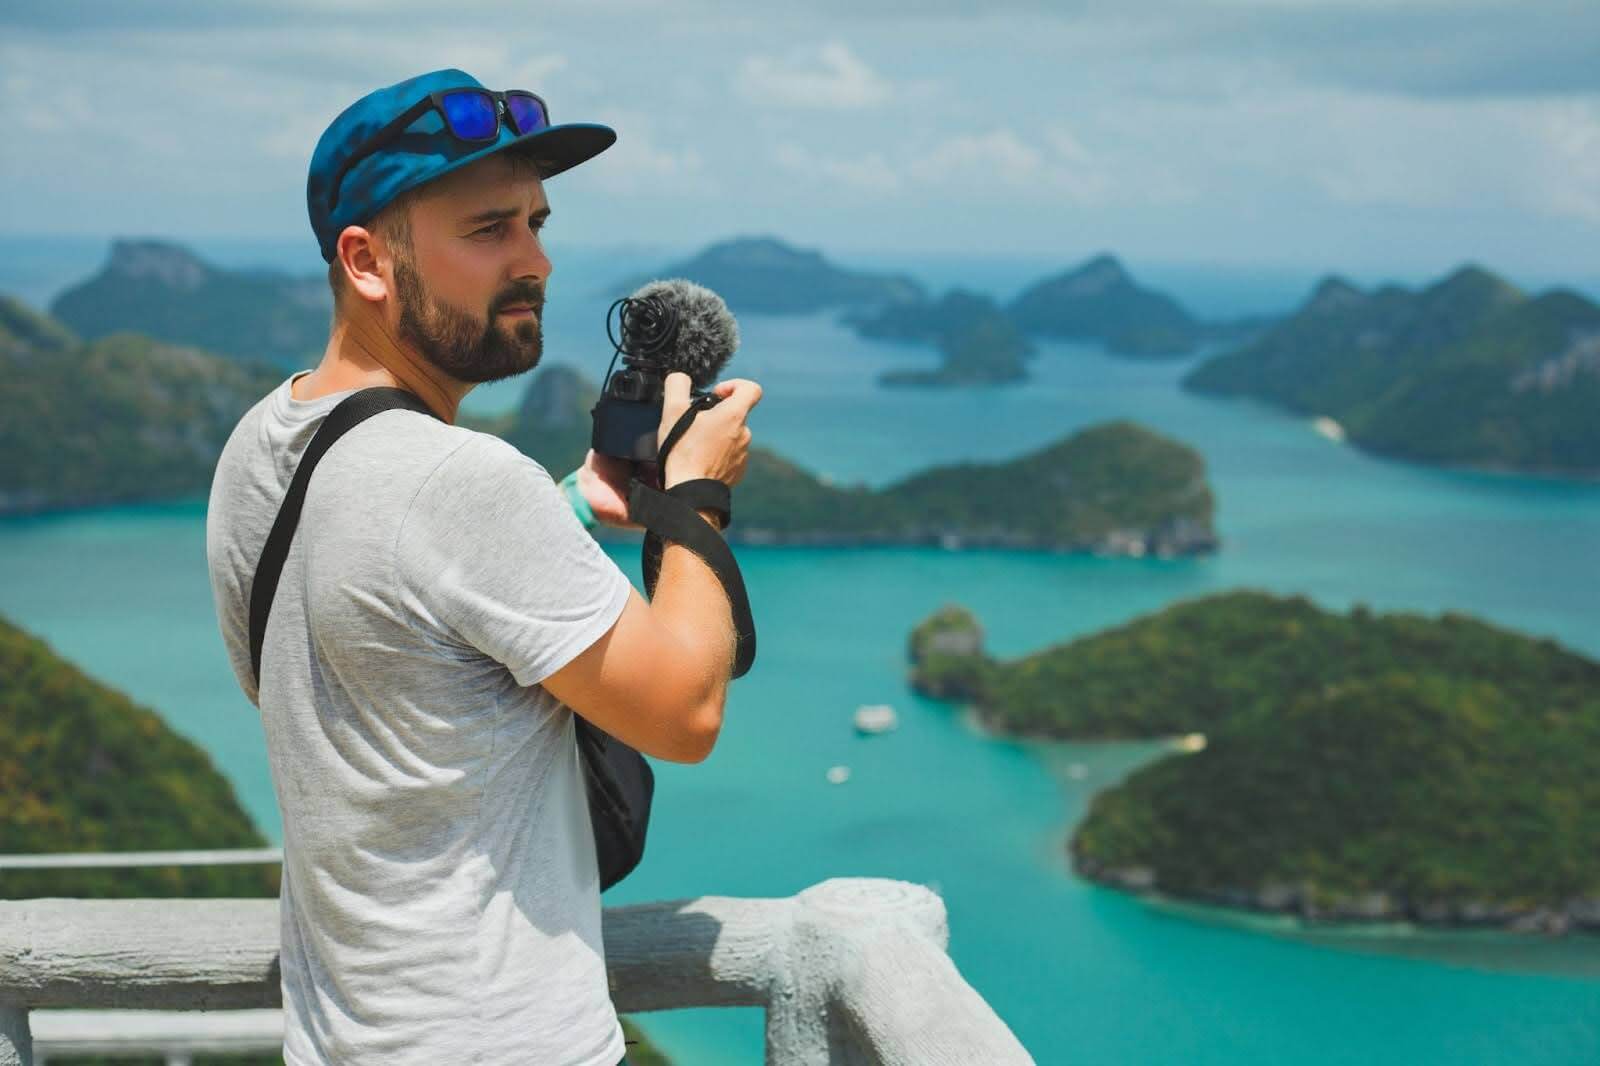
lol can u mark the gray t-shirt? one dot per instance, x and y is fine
(440, 897)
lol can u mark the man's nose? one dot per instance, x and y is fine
(530, 260)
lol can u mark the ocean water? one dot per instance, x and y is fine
(1081, 973)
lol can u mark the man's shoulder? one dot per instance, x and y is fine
(473, 455)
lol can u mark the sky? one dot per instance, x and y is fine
(1331, 135)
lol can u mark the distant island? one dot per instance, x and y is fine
(979, 343)
(1116, 489)
(165, 291)
(1095, 302)
(124, 419)
(1361, 766)
(1468, 371)
(127, 419)
(1099, 301)
(765, 275)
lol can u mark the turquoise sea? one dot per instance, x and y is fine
(1081, 973)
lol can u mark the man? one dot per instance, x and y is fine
(442, 612)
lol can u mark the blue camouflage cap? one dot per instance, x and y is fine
(425, 149)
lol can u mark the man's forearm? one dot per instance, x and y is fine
(689, 600)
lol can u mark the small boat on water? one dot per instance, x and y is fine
(875, 718)
(838, 775)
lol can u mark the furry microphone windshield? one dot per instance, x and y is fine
(679, 325)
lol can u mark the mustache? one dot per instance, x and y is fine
(532, 295)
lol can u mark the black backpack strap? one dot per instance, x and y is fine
(350, 413)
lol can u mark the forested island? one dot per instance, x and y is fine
(1359, 766)
(127, 419)
(87, 769)
(768, 276)
(978, 343)
(1116, 488)
(167, 292)
(1468, 371)
(123, 419)
(1098, 300)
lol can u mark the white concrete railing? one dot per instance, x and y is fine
(852, 971)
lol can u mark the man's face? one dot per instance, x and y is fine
(469, 294)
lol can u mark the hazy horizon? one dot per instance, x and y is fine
(1343, 136)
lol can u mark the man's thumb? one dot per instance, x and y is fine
(675, 390)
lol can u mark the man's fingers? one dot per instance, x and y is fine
(675, 390)
(743, 393)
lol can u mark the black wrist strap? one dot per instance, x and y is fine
(681, 426)
(666, 517)
(706, 494)
(671, 515)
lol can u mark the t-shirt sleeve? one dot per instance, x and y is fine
(491, 553)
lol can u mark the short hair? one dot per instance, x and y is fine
(393, 223)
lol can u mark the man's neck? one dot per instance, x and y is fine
(364, 353)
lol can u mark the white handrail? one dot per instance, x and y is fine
(850, 971)
(87, 860)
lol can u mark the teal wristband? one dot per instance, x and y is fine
(575, 497)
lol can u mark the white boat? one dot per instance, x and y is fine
(875, 718)
(838, 775)
(1328, 428)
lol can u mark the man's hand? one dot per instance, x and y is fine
(717, 443)
(603, 480)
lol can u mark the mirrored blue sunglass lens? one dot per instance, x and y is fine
(471, 115)
(527, 112)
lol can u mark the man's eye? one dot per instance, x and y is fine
(493, 227)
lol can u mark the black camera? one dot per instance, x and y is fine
(628, 414)
(664, 327)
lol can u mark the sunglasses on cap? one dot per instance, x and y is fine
(472, 115)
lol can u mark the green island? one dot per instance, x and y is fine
(165, 291)
(127, 419)
(978, 343)
(1364, 766)
(1098, 300)
(85, 769)
(765, 275)
(1468, 371)
(123, 419)
(1115, 488)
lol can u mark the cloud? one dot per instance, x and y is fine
(869, 173)
(638, 162)
(831, 76)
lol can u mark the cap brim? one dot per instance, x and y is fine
(556, 148)
(564, 147)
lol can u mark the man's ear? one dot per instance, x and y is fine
(358, 256)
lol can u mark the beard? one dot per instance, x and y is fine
(462, 345)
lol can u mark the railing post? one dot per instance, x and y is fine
(16, 1040)
(862, 979)
(807, 1024)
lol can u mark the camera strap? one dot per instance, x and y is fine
(672, 515)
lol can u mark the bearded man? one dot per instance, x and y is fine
(443, 612)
